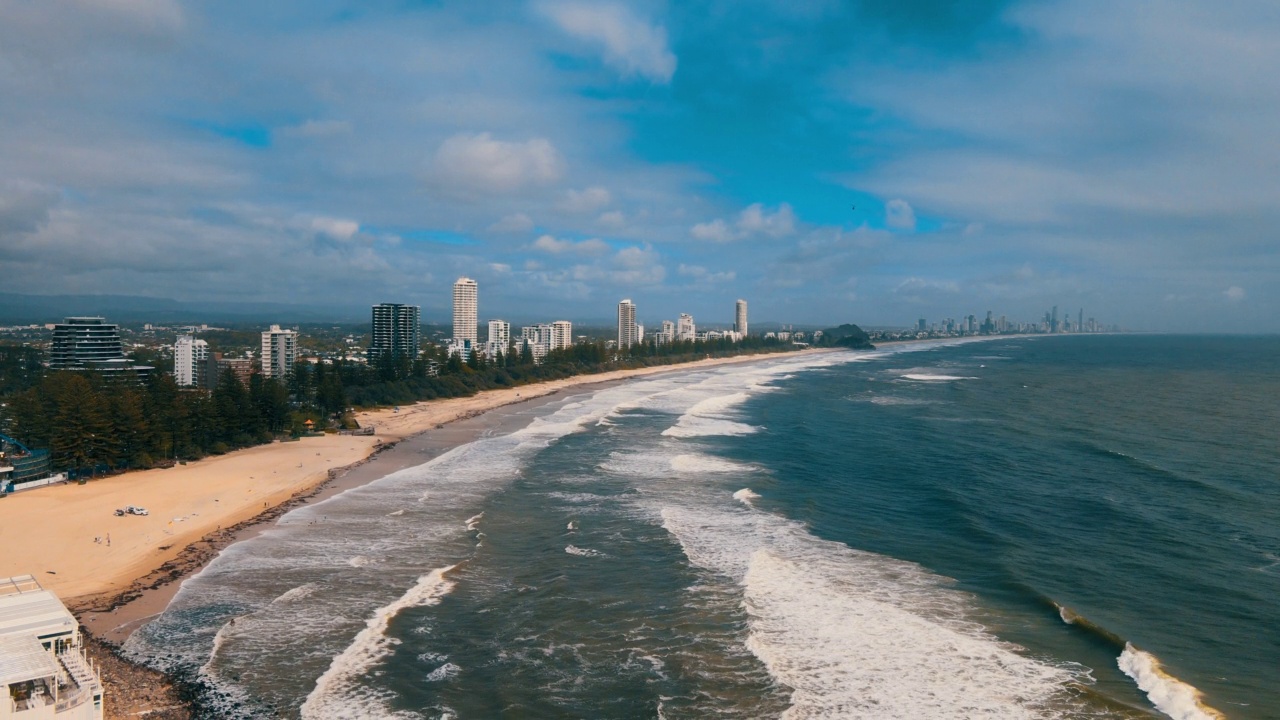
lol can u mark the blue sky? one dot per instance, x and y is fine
(873, 161)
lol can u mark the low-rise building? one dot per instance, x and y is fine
(43, 668)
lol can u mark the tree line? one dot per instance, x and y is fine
(91, 424)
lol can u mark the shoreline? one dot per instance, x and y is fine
(406, 437)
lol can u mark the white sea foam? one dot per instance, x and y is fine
(473, 522)
(298, 593)
(396, 513)
(444, 672)
(690, 463)
(928, 377)
(360, 561)
(746, 496)
(707, 418)
(860, 635)
(339, 694)
(890, 400)
(583, 552)
(1170, 695)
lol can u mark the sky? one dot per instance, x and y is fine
(872, 162)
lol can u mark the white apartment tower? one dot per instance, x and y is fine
(499, 338)
(561, 334)
(685, 329)
(279, 352)
(466, 307)
(189, 357)
(628, 333)
(740, 317)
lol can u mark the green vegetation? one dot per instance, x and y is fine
(94, 425)
(91, 425)
(846, 336)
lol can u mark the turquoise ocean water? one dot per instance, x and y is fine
(1066, 527)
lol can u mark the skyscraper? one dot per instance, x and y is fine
(397, 331)
(740, 317)
(466, 307)
(279, 352)
(189, 359)
(628, 334)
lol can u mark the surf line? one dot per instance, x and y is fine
(371, 645)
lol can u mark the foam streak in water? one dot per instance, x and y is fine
(338, 695)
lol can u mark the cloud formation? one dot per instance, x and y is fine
(483, 163)
(631, 45)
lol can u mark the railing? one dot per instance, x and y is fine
(86, 680)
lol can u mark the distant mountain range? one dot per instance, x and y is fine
(18, 309)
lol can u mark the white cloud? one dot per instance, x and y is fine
(484, 163)
(336, 228)
(715, 231)
(701, 274)
(756, 220)
(631, 45)
(591, 246)
(513, 223)
(585, 201)
(613, 219)
(753, 220)
(1235, 293)
(899, 215)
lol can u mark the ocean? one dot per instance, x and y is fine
(1051, 527)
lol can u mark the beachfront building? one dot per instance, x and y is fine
(279, 352)
(545, 337)
(189, 359)
(561, 335)
(740, 318)
(685, 329)
(499, 338)
(466, 309)
(628, 332)
(397, 331)
(91, 343)
(44, 672)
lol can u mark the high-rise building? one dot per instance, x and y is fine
(279, 352)
(1053, 322)
(397, 331)
(628, 334)
(740, 317)
(499, 338)
(685, 329)
(561, 334)
(91, 343)
(466, 308)
(189, 359)
(83, 341)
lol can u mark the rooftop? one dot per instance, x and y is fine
(23, 658)
(26, 609)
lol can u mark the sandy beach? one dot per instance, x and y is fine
(69, 537)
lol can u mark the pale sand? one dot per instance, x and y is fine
(50, 532)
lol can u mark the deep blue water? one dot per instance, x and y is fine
(988, 529)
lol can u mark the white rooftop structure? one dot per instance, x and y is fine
(44, 674)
